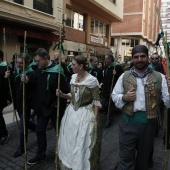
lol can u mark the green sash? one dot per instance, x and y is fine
(19, 72)
(54, 69)
(3, 63)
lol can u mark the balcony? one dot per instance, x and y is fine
(44, 6)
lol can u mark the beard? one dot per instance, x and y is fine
(141, 65)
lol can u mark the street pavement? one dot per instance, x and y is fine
(109, 148)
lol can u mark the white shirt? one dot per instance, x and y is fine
(139, 103)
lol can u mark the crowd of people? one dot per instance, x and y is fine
(85, 88)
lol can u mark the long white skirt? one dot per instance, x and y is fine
(77, 138)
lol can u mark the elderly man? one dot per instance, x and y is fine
(138, 93)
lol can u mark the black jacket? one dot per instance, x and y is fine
(96, 72)
(4, 88)
(108, 77)
(46, 84)
(18, 93)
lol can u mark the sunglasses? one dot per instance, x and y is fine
(155, 58)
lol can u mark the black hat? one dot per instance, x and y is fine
(140, 49)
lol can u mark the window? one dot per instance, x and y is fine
(136, 42)
(19, 1)
(43, 5)
(164, 9)
(125, 42)
(164, 4)
(98, 28)
(163, 21)
(75, 19)
(112, 42)
(114, 1)
(130, 42)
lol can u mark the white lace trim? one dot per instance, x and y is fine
(97, 103)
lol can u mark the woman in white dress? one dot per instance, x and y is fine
(80, 137)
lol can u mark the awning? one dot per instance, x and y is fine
(12, 30)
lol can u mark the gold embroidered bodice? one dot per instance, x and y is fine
(83, 96)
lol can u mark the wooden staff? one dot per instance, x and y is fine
(5, 53)
(58, 101)
(23, 92)
(15, 60)
(166, 115)
(15, 66)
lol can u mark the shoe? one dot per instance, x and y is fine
(4, 139)
(18, 153)
(35, 160)
(108, 124)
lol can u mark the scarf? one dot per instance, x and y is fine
(143, 75)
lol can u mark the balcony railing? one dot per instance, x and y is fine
(44, 6)
(18, 1)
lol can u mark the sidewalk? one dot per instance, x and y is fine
(109, 149)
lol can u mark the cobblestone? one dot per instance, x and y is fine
(109, 149)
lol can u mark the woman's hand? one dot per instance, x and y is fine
(59, 93)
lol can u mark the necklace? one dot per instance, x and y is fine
(78, 78)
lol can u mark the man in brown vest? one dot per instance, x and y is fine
(138, 92)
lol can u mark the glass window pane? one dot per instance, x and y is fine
(96, 27)
(68, 21)
(100, 29)
(123, 42)
(136, 42)
(127, 43)
(132, 44)
(81, 22)
(92, 25)
(75, 20)
(104, 30)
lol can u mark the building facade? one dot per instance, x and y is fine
(41, 19)
(165, 20)
(88, 25)
(140, 25)
(165, 17)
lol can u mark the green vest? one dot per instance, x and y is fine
(152, 93)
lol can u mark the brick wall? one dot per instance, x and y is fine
(133, 6)
(131, 23)
(75, 35)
